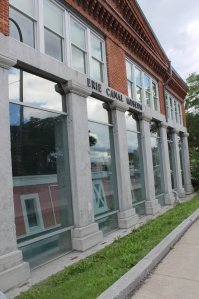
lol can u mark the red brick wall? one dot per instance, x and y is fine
(116, 66)
(4, 17)
(161, 97)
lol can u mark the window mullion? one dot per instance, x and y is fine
(89, 54)
(40, 27)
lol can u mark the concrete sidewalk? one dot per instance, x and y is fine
(177, 276)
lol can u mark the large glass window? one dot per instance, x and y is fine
(102, 165)
(40, 166)
(141, 86)
(157, 161)
(171, 157)
(135, 163)
(182, 165)
(53, 30)
(23, 20)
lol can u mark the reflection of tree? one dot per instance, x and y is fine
(33, 146)
(92, 138)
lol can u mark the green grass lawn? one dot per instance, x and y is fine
(90, 277)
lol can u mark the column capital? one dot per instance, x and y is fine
(7, 62)
(176, 131)
(72, 86)
(164, 125)
(118, 105)
(145, 117)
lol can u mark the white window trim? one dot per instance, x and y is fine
(175, 110)
(34, 196)
(143, 90)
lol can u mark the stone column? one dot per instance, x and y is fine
(127, 216)
(13, 271)
(86, 232)
(152, 205)
(179, 187)
(185, 148)
(169, 197)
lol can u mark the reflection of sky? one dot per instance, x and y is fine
(132, 141)
(131, 124)
(100, 152)
(96, 111)
(27, 113)
(37, 91)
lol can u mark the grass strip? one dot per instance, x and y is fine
(88, 278)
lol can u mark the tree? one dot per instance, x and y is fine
(192, 117)
(192, 99)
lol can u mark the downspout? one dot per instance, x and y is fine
(165, 84)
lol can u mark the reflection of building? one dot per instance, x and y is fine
(95, 123)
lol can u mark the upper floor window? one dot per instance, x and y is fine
(173, 108)
(57, 33)
(53, 30)
(23, 20)
(78, 46)
(141, 86)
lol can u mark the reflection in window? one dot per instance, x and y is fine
(53, 30)
(102, 166)
(40, 166)
(31, 89)
(157, 161)
(182, 165)
(135, 163)
(22, 21)
(78, 44)
(171, 158)
(141, 86)
(97, 58)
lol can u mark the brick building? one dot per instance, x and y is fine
(93, 131)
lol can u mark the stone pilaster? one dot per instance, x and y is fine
(86, 232)
(179, 187)
(185, 148)
(127, 216)
(169, 197)
(152, 205)
(13, 271)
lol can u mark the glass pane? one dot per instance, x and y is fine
(138, 94)
(36, 90)
(129, 71)
(53, 17)
(26, 6)
(96, 111)
(154, 129)
(26, 26)
(156, 154)
(147, 83)
(53, 45)
(31, 212)
(156, 103)
(138, 77)
(42, 251)
(136, 172)
(103, 169)
(154, 88)
(78, 60)
(130, 93)
(96, 46)
(108, 223)
(78, 35)
(97, 70)
(131, 122)
(148, 99)
(14, 83)
(40, 170)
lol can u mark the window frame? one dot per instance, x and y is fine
(174, 112)
(143, 88)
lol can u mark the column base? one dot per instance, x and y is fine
(13, 271)
(189, 189)
(169, 198)
(127, 219)
(181, 193)
(86, 237)
(152, 207)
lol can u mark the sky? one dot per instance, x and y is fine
(176, 25)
